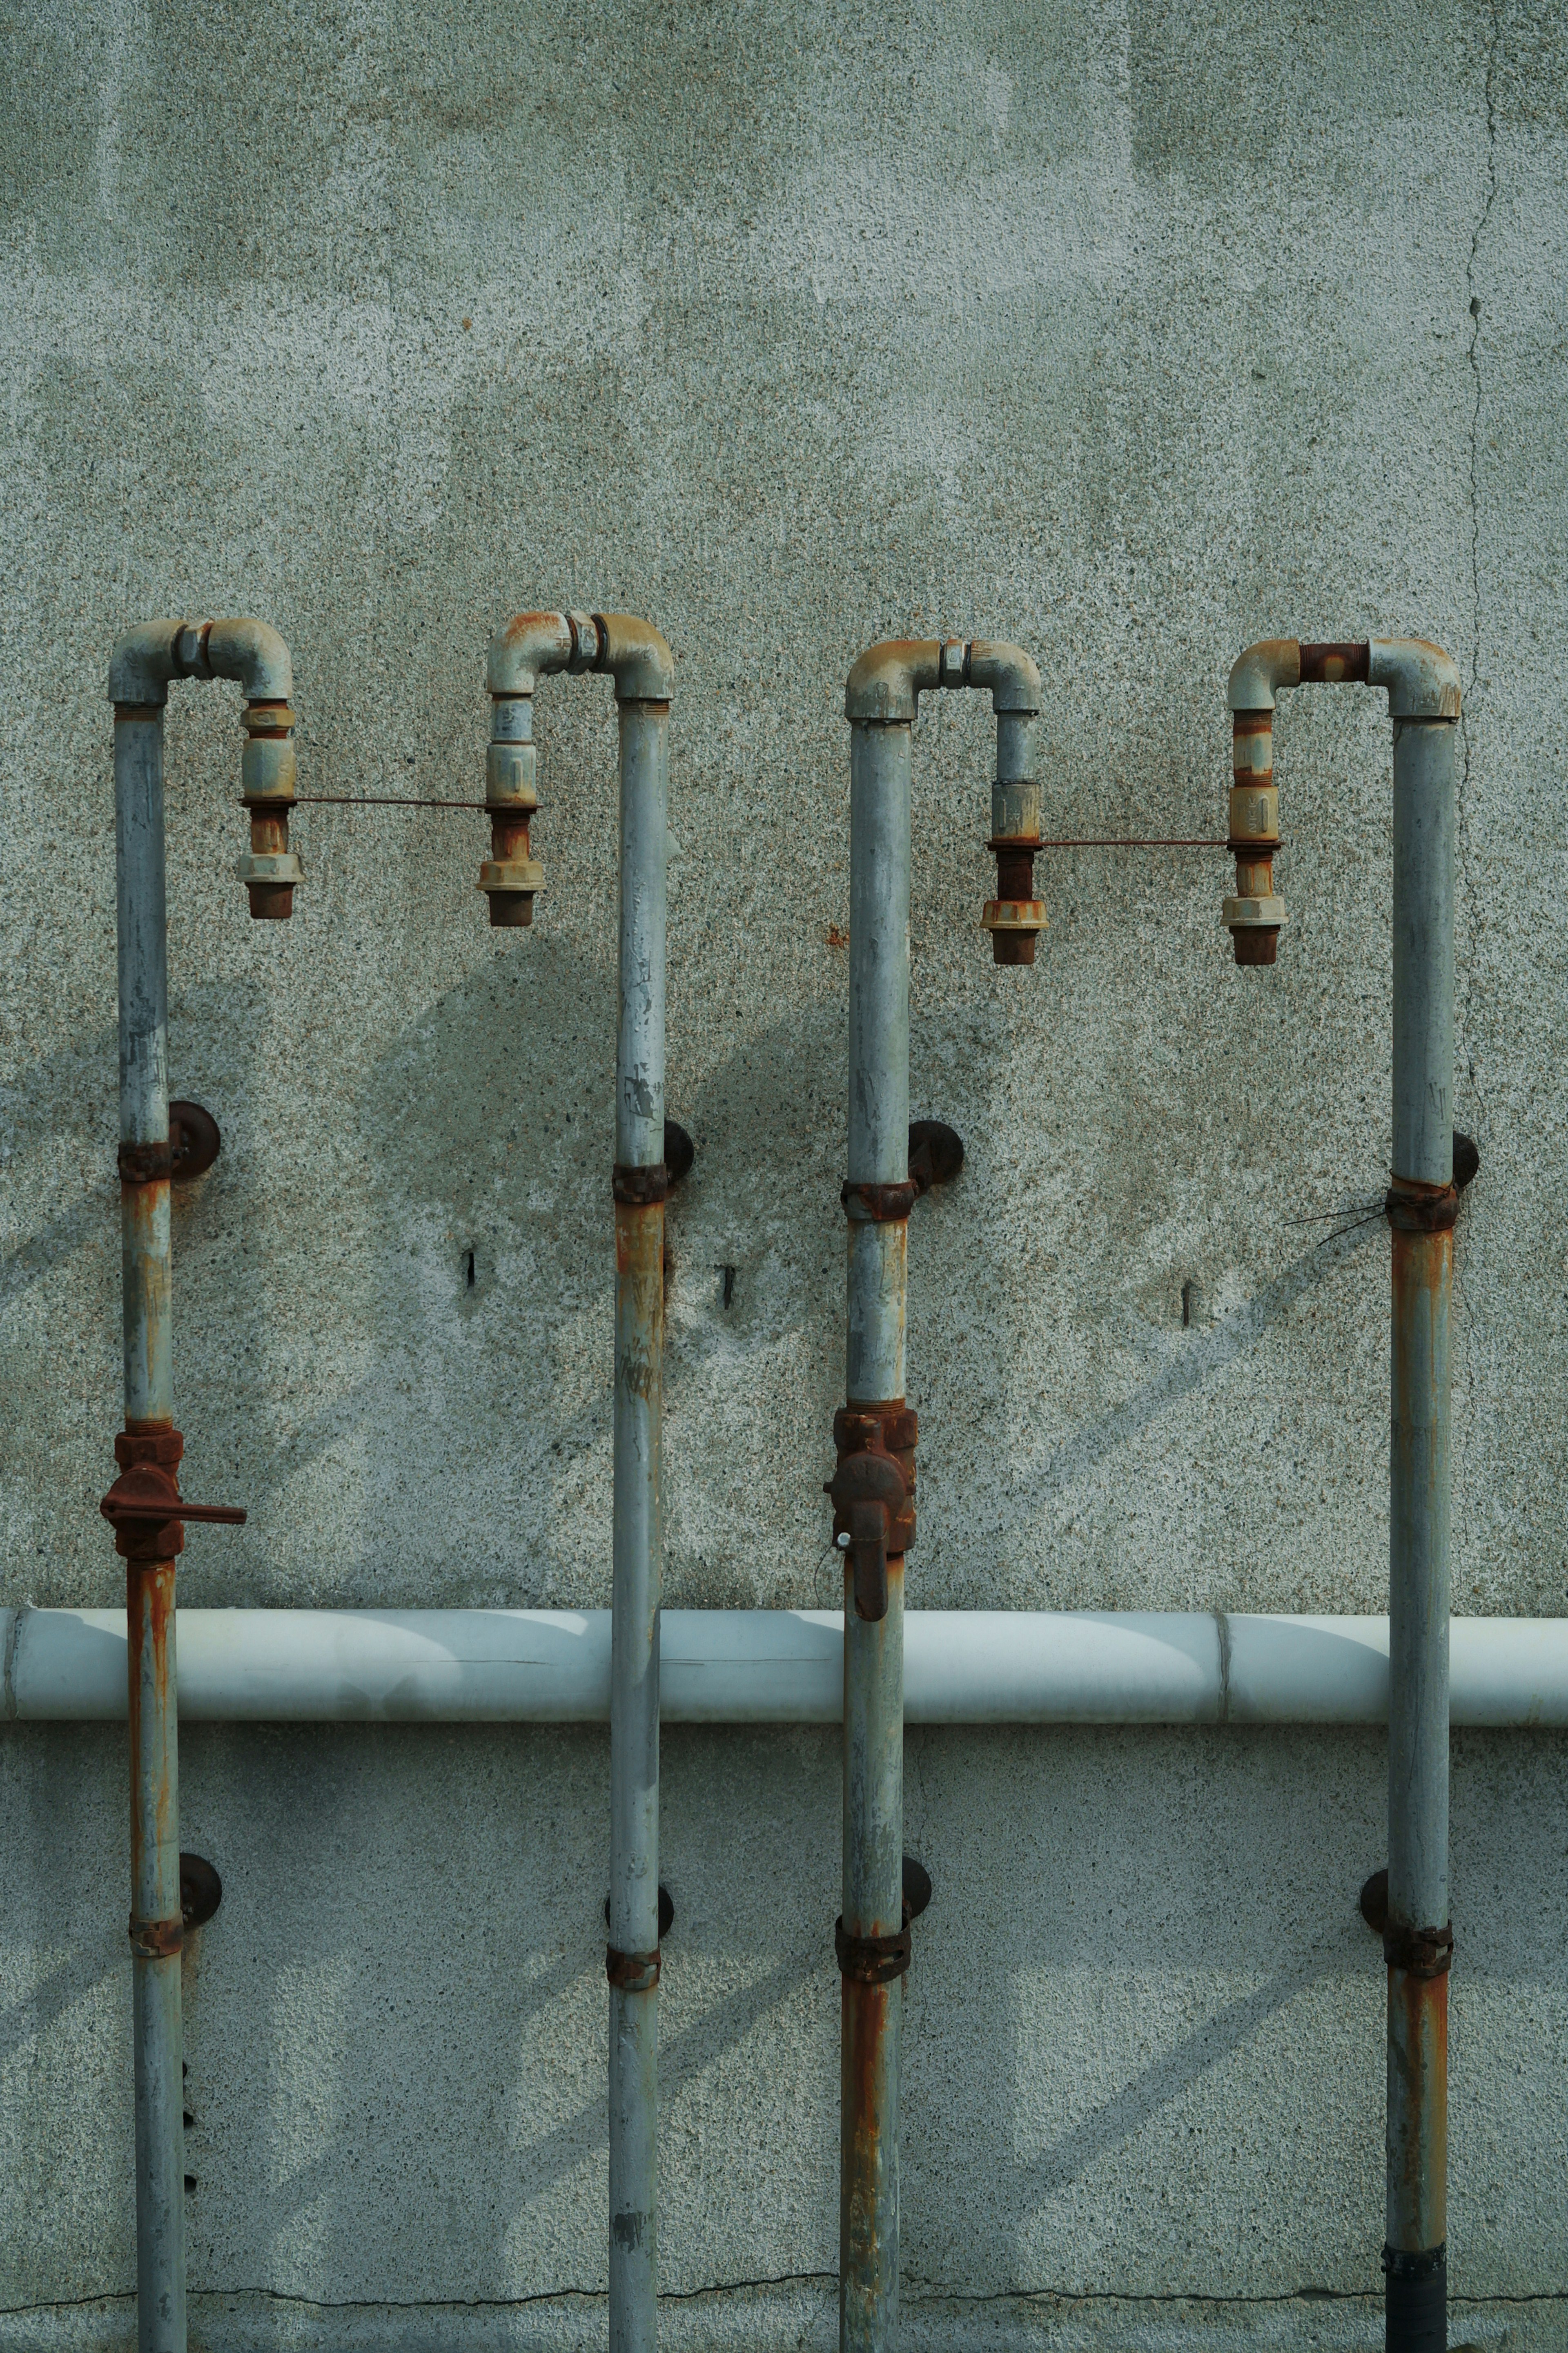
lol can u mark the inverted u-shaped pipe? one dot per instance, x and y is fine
(144, 1506)
(873, 1490)
(1423, 687)
(636, 656)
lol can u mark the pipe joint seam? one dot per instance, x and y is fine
(157, 1940)
(632, 1972)
(640, 1188)
(1411, 2263)
(878, 1205)
(1431, 1212)
(872, 1960)
(1418, 1952)
(146, 1164)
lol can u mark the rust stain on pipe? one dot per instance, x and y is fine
(639, 1268)
(1419, 2054)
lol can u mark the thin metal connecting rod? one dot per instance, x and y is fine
(638, 660)
(1424, 701)
(873, 1488)
(149, 1447)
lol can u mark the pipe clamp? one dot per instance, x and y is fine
(872, 1960)
(640, 1188)
(157, 1940)
(1422, 1213)
(145, 1164)
(632, 1972)
(878, 1205)
(1418, 1952)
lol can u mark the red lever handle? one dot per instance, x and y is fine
(148, 1513)
(116, 1507)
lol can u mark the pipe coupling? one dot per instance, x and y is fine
(640, 1188)
(270, 871)
(510, 876)
(1015, 918)
(1253, 915)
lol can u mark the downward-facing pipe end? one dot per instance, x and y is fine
(252, 653)
(884, 689)
(528, 649)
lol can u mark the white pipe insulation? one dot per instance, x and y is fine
(775, 1666)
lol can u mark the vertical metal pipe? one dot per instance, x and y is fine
(1419, 1940)
(881, 762)
(633, 1667)
(150, 1586)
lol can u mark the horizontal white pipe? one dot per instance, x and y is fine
(775, 1666)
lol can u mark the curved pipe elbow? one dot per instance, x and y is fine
(636, 657)
(145, 659)
(251, 653)
(887, 679)
(1257, 674)
(523, 652)
(1423, 682)
(1013, 676)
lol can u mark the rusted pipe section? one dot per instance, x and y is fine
(873, 1488)
(637, 658)
(1423, 687)
(144, 1506)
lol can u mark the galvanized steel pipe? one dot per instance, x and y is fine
(150, 1449)
(1423, 687)
(640, 662)
(873, 1487)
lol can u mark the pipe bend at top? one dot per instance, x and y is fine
(1423, 682)
(1256, 675)
(637, 658)
(146, 658)
(1012, 675)
(525, 649)
(886, 680)
(630, 651)
(886, 683)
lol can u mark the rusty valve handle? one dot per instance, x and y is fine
(869, 1491)
(147, 1494)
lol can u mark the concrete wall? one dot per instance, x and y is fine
(1124, 331)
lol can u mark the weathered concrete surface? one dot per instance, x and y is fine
(1126, 331)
